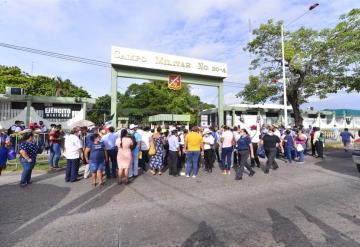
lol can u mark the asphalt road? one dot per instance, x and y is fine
(313, 204)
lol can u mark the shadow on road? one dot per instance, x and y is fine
(340, 162)
(203, 237)
(353, 219)
(23, 211)
(333, 236)
(286, 232)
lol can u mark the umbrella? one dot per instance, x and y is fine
(81, 123)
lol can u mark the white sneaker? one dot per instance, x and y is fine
(182, 173)
(187, 176)
(194, 176)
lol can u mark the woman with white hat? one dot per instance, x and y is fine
(208, 141)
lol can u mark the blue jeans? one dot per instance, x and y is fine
(192, 162)
(301, 154)
(226, 157)
(55, 151)
(288, 153)
(27, 169)
(112, 157)
(133, 171)
(71, 172)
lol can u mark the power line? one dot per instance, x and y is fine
(83, 60)
(57, 55)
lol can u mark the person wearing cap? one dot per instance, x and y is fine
(134, 168)
(55, 138)
(208, 141)
(193, 147)
(174, 152)
(271, 142)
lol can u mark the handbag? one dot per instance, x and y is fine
(299, 148)
(261, 152)
(152, 150)
(11, 154)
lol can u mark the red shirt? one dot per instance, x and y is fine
(55, 135)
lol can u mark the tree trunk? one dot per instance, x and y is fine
(294, 102)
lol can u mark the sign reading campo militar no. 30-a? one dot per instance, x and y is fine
(159, 61)
(57, 112)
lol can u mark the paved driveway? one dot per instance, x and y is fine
(313, 204)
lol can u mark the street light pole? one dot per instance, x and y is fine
(283, 61)
(284, 77)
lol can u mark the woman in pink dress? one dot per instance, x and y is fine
(124, 144)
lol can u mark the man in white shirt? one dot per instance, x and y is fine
(109, 141)
(255, 139)
(145, 146)
(174, 153)
(73, 149)
(209, 142)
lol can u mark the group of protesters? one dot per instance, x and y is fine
(106, 153)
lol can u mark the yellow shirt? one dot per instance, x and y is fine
(194, 141)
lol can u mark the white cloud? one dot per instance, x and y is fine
(210, 29)
(44, 15)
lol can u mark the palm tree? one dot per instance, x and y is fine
(59, 87)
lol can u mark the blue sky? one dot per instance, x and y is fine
(208, 29)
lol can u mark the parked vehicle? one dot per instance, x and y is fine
(356, 153)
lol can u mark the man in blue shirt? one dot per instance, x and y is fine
(174, 153)
(345, 136)
(109, 141)
(133, 171)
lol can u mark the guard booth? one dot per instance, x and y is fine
(138, 64)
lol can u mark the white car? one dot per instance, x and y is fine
(356, 153)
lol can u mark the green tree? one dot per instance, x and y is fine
(38, 85)
(344, 43)
(150, 98)
(143, 100)
(263, 91)
(102, 106)
(316, 62)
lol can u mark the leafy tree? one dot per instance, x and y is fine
(38, 85)
(143, 100)
(150, 98)
(101, 108)
(316, 62)
(263, 91)
(344, 43)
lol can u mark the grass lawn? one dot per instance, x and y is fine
(42, 164)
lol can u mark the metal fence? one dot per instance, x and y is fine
(41, 139)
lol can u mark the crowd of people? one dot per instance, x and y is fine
(106, 153)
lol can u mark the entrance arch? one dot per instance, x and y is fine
(138, 64)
